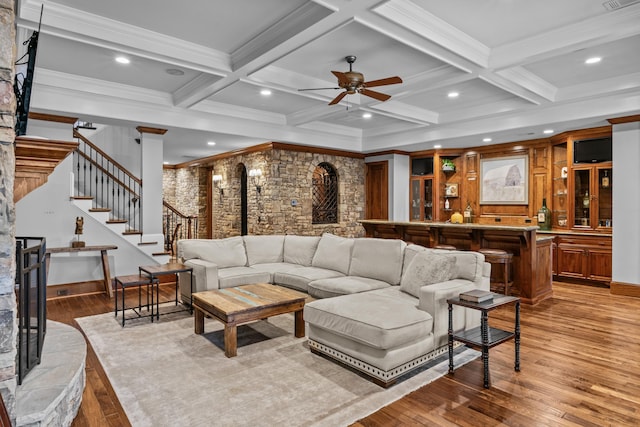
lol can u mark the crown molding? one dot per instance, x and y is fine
(625, 119)
(52, 118)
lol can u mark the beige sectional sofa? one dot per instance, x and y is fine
(380, 304)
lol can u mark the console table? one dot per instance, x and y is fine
(103, 254)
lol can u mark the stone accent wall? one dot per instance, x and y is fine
(8, 326)
(286, 176)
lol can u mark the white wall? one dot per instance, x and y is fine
(398, 184)
(626, 203)
(49, 212)
(119, 143)
(50, 130)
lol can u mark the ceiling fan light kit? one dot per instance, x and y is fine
(353, 82)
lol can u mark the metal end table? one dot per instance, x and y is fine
(124, 282)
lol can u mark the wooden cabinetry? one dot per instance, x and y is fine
(584, 257)
(421, 198)
(560, 176)
(592, 196)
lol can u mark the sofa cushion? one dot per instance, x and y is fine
(299, 278)
(469, 265)
(264, 249)
(374, 320)
(274, 267)
(328, 288)
(333, 253)
(409, 252)
(379, 259)
(300, 249)
(237, 276)
(224, 253)
(427, 268)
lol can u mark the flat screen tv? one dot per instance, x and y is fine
(422, 166)
(592, 150)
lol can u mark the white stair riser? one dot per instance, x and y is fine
(119, 229)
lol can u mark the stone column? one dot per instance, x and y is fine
(8, 326)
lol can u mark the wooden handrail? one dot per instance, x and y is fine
(77, 134)
(176, 211)
(109, 174)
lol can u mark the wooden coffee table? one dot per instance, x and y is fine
(248, 303)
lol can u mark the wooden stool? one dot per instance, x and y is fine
(503, 259)
(447, 247)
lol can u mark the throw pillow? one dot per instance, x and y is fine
(426, 268)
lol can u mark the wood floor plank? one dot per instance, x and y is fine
(580, 366)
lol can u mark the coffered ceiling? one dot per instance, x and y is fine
(518, 68)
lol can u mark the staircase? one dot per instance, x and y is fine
(112, 195)
(153, 248)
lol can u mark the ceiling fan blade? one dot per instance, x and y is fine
(383, 82)
(373, 94)
(319, 88)
(342, 77)
(338, 98)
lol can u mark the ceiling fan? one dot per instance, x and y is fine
(353, 82)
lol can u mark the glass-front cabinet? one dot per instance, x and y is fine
(421, 199)
(592, 196)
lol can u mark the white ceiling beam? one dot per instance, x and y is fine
(410, 16)
(569, 38)
(106, 33)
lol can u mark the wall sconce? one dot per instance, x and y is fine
(255, 174)
(217, 183)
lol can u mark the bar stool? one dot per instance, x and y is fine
(447, 247)
(501, 259)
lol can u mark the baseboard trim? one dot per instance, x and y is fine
(626, 289)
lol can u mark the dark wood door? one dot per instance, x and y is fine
(377, 190)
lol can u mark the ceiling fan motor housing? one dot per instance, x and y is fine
(353, 82)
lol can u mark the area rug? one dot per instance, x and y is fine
(165, 375)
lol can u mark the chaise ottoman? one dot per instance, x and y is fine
(379, 336)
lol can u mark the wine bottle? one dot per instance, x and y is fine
(544, 216)
(468, 214)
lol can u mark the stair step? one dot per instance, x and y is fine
(99, 210)
(117, 221)
(147, 243)
(129, 232)
(82, 198)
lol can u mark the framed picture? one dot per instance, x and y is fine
(504, 180)
(451, 190)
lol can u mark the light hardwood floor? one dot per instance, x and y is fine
(580, 366)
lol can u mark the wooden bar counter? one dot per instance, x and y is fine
(532, 275)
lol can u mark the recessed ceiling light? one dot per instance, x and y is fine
(174, 71)
(486, 140)
(366, 115)
(593, 60)
(265, 92)
(211, 143)
(437, 146)
(547, 131)
(122, 60)
(453, 94)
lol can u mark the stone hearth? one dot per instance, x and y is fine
(51, 393)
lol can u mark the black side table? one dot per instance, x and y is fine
(136, 280)
(155, 271)
(485, 337)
